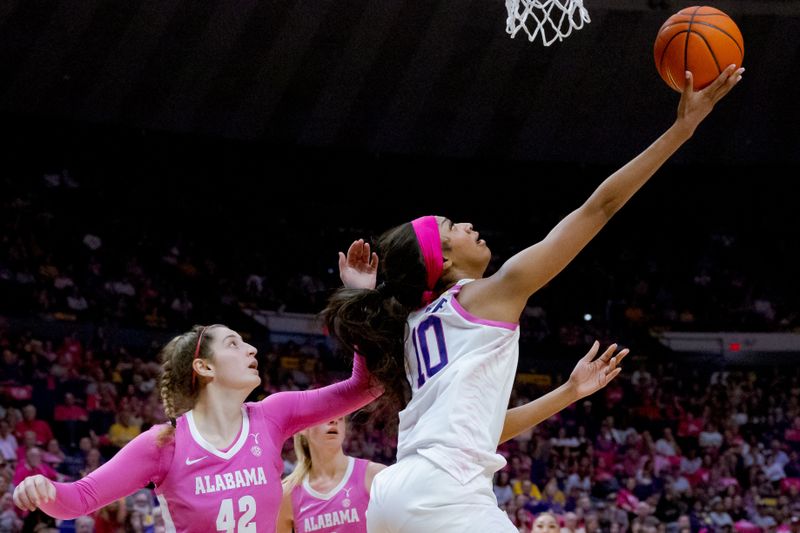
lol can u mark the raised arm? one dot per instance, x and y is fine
(295, 411)
(359, 268)
(588, 376)
(138, 463)
(532, 268)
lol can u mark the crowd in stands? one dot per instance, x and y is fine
(665, 448)
(58, 262)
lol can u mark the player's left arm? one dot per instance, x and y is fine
(588, 376)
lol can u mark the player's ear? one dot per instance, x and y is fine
(446, 264)
(203, 367)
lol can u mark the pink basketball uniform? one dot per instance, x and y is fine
(339, 511)
(205, 489)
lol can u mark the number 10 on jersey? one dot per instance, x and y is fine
(429, 348)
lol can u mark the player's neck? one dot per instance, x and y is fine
(218, 421)
(328, 464)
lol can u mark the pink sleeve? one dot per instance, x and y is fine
(295, 411)
(138, 463)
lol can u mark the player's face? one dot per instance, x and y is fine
(545, 524)
(234, 364)
(329, 434)
(462, 245)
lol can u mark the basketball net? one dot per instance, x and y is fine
(552, 20)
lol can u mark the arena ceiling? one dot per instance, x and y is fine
(431, 77)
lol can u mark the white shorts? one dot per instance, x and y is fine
(416, 496)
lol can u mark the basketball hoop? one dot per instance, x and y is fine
(552, 20)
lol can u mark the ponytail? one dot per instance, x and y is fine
(373, 322)
(303, 453)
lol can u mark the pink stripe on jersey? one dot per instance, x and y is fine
(206, 488)
(342, 510)
(472, 318)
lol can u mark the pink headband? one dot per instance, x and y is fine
(427, 231)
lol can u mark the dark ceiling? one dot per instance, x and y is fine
(431, 77)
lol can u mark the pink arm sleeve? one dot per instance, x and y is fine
(138, 463)
(294, 411)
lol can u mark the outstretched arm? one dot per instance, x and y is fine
(296, 410)
(588, 376)
(532, 268)
(138, 463)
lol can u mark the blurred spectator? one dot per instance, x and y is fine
(70, 421)
(93, 462)
(28, 442)
(53, 455)
(37, 521)
(8, 442)
(571, 524)
(141, 516)
(124, 429)
(502, 487)
(544, 522)
(33, 465)
(84, 524)
(718, 517)
(111, 518)
(10, 522)
(29, 422)
(710, 437)
(11, 370)
(75, 461)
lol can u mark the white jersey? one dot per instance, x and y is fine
(461, 369)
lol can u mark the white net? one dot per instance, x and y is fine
(552, 20)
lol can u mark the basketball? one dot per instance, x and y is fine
(701, 39)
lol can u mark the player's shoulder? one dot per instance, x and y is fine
(160, 435)
(373, 467)
(369, 467)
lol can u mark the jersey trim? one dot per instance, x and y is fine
(202, 442)
(477, 320)
(334, 491)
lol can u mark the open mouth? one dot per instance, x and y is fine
(253, 365)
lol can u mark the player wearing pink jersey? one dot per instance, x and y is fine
(218, 468)
(328, 491)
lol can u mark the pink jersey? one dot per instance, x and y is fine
(339, 511)
(203, 489)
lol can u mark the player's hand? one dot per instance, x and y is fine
(33, 491)
(696, 105)
(591, 375)
(359, 269)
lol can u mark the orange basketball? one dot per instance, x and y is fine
(701, 39)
